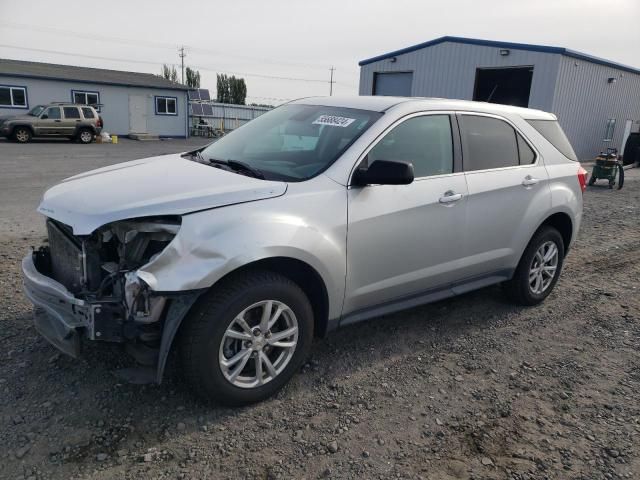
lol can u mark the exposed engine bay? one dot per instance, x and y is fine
(100, 270)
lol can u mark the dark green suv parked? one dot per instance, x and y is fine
(76, 122)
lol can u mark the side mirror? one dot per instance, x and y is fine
(384, 172)
(44, 116)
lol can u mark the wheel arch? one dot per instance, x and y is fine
(303, 275)
(298, 271)
(25, 125)
(562, 222)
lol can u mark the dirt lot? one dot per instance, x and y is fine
(465, 388)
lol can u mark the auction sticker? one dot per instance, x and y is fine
(333, 121)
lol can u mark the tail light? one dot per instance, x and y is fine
(582, 178)
(100, 121)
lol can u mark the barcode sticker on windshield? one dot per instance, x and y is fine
(334, 121)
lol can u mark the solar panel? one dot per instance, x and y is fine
(194, 94)
(207, 110)
(196, 108)
(204, 94)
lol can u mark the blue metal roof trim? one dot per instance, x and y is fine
(498, 44)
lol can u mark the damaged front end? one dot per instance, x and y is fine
(87, 288)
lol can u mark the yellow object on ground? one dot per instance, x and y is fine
(114, 139)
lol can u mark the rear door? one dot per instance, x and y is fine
(508, 193)
(70, 121)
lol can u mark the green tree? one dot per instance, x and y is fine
(231, 89)
(193, 78)
(170, 73)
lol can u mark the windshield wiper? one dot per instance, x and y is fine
(239, 167)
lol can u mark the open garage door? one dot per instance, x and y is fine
(397, 84)
(509, 86)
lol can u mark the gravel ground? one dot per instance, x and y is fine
(470, 387)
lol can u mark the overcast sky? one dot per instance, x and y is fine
(298, 39)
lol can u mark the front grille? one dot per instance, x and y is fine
(66, 257)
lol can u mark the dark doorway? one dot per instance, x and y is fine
(392, 83)
(509, 86)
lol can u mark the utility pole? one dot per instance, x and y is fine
(331, 82)
(182, 55)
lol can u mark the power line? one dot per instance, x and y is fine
(147, 43)
(147, 62)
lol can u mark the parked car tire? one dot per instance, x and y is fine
(246, 338)
(539, 268)
(85, 135)
(22, 134)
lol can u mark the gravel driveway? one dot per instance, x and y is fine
(470, 387)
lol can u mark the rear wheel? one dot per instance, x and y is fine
(539, 268)
(22, 134)
(85, 135)
(246, 338)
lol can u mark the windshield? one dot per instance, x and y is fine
(36, 111)
(293, 142)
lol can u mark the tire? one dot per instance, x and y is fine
(85, 135)
(620, 176)
(519, 289)
(204, 342)
(22, 134)
(592, 180)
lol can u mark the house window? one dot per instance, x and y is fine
(86, 98)
(608, 133)
(13, 97)
(166, 106)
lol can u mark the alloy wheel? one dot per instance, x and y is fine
(86, 136)
(543, 267)
(258, 344)
(22, 135)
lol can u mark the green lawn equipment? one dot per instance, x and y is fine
(608, 168)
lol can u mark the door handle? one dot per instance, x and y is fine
(529, 181)
(450, 197)
(57, 121)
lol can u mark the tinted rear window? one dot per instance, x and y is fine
(71, 112)
(551, 130)
(488, 143)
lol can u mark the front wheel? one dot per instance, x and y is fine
(539, 268)
(246, 338)
(22, 134)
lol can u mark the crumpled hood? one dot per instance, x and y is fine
(166, 185)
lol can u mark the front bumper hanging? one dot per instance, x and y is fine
(59, 313)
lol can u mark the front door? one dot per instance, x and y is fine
(404, 240)
(508, 193)
(137, 114)
(50, 122)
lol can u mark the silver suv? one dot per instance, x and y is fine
(321, 213)
(70, 120)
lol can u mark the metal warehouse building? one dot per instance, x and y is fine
(129, 103)
(596, 101)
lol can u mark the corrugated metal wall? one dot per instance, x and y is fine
(579, 95)
(229, 117)
(448, 70)
(584, 100)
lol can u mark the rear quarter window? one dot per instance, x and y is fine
(552, 131)
(87, 112)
